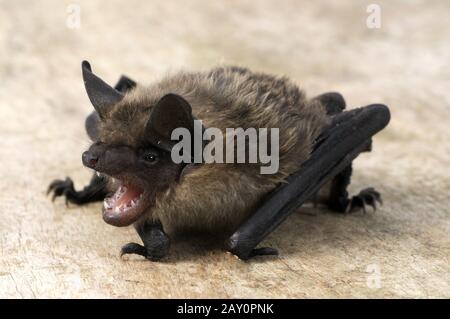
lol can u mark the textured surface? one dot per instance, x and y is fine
(48, 250)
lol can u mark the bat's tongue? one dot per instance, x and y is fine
(128, 195)
(122, 209)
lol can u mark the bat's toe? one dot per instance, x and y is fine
(366, 197)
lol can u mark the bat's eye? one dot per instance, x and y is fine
(150, 158)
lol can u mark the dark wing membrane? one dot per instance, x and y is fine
(348, 135)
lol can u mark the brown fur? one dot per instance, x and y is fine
(220, 196)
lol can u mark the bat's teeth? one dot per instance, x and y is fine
(120, 192)
(117, 210)
(97, 173)
(107, 203)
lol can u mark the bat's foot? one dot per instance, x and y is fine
(333, 102)
(61, 188)
(156, 246)
(368, 196)
(95, 191)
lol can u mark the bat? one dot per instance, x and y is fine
(142, 185)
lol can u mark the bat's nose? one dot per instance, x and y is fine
(89, 159)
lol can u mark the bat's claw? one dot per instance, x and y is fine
(155, 251)
(262, 251)
(60, 187)
(133, 248)
(368, 196)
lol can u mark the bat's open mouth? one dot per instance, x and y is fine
(124, 207)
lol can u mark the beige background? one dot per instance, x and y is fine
(48, 250)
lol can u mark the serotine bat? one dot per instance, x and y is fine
(131, 129)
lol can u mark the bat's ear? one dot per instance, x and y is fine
(125, 84)
(171, 112)
(102, 95)
(92, 122)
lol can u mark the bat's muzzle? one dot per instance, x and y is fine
(109, 159)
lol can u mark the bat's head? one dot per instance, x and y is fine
(132, 144)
